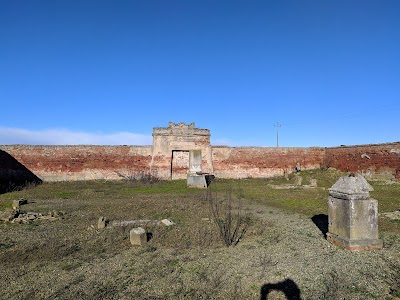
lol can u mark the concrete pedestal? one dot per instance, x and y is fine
(197, 181)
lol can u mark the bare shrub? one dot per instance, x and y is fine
(265, 262)
(142, 176)
(227, 214)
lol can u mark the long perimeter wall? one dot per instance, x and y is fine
(65, 163)
(53, 163)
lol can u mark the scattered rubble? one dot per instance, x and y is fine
(32, 216)
(14, 215)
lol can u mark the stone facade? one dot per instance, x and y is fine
(172, 141)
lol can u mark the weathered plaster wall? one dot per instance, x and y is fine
(168, 158)
(372, 160)
(240, 162)
(53, 163)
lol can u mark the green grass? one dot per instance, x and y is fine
(313, 201)
(179, 258)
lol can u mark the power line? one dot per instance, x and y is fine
(277, 134)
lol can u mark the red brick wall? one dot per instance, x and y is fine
(262, 161)
(368, 159)
(80, 162)
(109, 162)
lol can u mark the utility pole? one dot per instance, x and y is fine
(277, 136)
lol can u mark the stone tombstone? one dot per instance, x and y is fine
(195, 162)
(353, 215)
(196, 178)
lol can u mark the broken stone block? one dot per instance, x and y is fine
(102, 223)
(138, 236)
(353, 215)
(298, 180)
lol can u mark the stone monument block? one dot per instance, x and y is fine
(353, 215)
(298, 180)
(196, 178)
(313, 182)
(138, 236)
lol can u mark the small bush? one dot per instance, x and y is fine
(232, 223)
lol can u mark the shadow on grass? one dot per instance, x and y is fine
(321, 221)
(288, 287)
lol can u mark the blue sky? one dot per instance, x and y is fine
(107, 72)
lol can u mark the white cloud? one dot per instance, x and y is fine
(9, 136)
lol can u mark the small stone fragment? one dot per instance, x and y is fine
(138, 236)
(365, 155)
(102, 223)
(167, 222)
(19, 202)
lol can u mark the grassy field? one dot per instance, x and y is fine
(71, 258)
